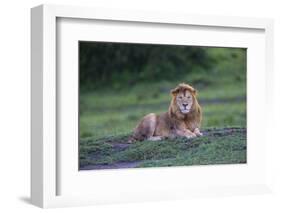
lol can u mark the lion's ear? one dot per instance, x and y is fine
(175, 91)
(194, 91)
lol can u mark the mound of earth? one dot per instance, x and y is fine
(216, 146)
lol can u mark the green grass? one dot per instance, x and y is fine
(213, 148)
(210, 151)
(112, 120)
(115, 121)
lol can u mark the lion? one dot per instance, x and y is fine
(182, 119)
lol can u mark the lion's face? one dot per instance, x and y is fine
(184, 101)
(184, 97)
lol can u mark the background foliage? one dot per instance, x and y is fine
(123, 64)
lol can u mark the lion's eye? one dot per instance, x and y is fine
(180, 97)
(188, 97)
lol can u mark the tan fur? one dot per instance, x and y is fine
(174, 122)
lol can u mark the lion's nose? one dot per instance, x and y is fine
(185, 105)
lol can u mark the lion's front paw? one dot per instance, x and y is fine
(197, 132)
(190, 135)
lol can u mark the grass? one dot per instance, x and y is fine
(213, 147)
(121, 120)
(108, 116)
(217, 150)
(117, 121)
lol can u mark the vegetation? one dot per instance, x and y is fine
(124, 64)
(214, 146)
(111, 106)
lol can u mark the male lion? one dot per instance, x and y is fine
(183, 118)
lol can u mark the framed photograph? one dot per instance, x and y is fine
(129, 106)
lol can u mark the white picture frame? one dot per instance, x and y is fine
(46, 166)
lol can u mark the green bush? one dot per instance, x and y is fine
(121, 65)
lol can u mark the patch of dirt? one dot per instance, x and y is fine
(119, 165)
(223, 131)
(120, 146)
